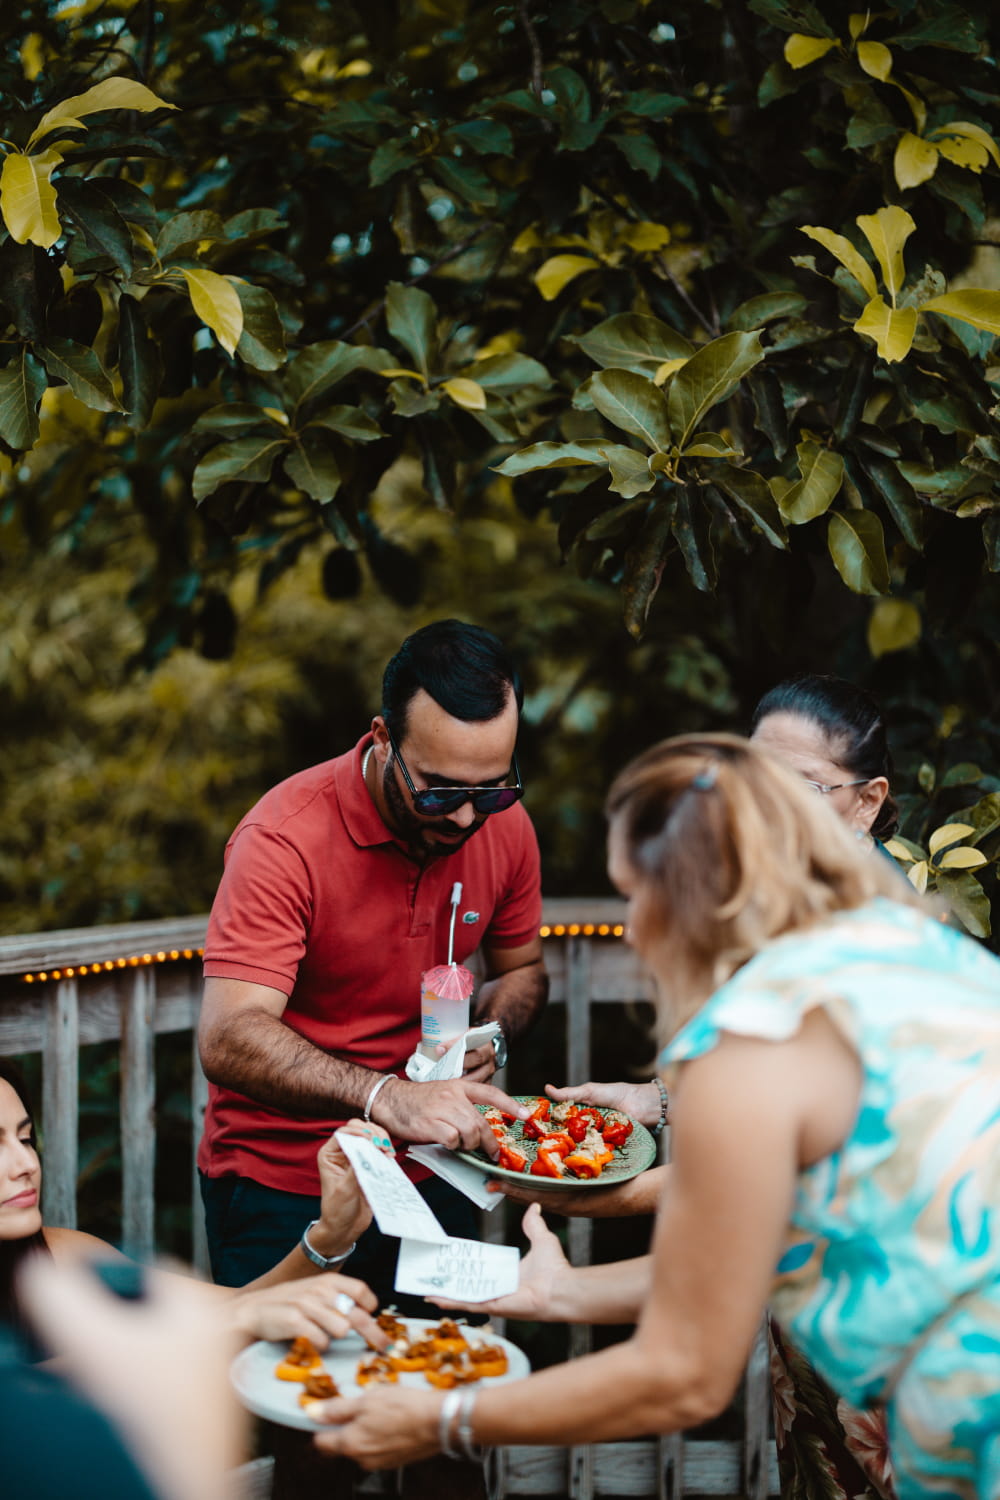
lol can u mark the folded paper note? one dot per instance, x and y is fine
(464, 1270)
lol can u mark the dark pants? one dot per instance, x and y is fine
(250, 1228)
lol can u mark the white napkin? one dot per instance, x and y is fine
(468, 1180)
(421, 1069)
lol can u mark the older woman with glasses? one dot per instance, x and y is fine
(835, 1055)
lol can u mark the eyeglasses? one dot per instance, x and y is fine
(824, 790)
(432, 801)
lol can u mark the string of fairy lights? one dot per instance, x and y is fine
(174, 955)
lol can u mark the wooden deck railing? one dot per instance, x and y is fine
(133, 982)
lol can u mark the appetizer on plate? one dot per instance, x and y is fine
(299, 1362)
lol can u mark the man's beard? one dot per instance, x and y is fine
(419, 834)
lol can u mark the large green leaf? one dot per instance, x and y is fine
(139, 363)
(710, 376)
(765, 308)
(554, 456)
(247, 460)
(822, 474)
(967, 900)
(899, 496)
(485, 137)
(857, 546)
(410, 316)
(262, 341)
(644, 564)
(349, 422)
(82, 371)
(630, 472)
(502, 372)
(319, 367)
(94, 213)
(186, 232)
(631, 341)
(312, 466)
(750, 492)
(634, 404)
(892, 328)
(22, 383)
(237, 416)
(216, 301)
(691, 527)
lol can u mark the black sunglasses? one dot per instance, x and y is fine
(435, 800)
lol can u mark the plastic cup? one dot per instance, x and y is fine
(445, 996)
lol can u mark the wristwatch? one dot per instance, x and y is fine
(500, 1052)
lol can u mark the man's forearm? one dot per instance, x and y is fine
(603, 1294)
(258, 1055)
(515, 999)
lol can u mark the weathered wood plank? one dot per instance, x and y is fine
(580, 1479)
(23, 1008)
(60, 1102)
(709, 1468)
(199, 1103)
(138, 1098)
(757, 1405)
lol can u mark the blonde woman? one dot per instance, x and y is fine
(834, 1051)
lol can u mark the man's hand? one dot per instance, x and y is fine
(639, 1195)
(479, 1063)
(640, 1101)
(443, 1114)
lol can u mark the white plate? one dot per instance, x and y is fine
(252, 1372)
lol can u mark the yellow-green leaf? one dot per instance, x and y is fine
(394, 371)
(893, 625)
(822, 474)
(555, 273)
(964, 153)
(963, 859)
(358, 67)
(898, 850)
(975, 306)
(669, 367)
(917, 876)
(528, 239)
(857, 546)
(974, 133)
(887, 232)
(915, 160)
(646, 236)
(892, 328)
(876, 59)
(918, 108)
(215, 300)
(841, 247)
(801, 50)
(948, 833)
(465, 393)
(113, 93)
(857, 23)
(28, 199)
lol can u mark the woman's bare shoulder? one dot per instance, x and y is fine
(76, 1244)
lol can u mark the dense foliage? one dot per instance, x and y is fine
(406, 302)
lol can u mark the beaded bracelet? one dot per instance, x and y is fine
(446, 1416)
(664, 1106)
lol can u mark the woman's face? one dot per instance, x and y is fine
(802, 746)
(20, 1170)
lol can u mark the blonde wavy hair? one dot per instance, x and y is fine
(729, 851)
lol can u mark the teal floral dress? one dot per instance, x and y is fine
(889, 1283)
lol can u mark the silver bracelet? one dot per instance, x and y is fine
(325, 1262)
(467, 1401)
(379, 1083)
(446, 1416)
(664, 1105)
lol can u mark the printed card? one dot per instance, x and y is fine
(464, 1270)
(395, 1202)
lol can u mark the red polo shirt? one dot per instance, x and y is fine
(319, 900)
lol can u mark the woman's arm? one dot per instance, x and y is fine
(721, 1228)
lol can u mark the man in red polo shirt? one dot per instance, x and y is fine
(335, 898)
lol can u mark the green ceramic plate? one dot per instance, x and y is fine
(638, 1153)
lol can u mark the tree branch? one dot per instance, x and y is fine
(537, 65)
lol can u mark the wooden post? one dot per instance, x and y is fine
(199, 1103)
(138, 1098)
(756, 1474)
(581, 1231)
(61, 1102)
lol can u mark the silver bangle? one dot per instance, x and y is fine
(467, 1401)
(325, 1262)
(379, 1083)
(446, 1416)
(664, 1106)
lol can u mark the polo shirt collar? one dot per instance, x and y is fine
(361, 816)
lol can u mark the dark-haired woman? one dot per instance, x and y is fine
(291, 1300)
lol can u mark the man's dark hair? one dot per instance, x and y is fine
(851, 721)
(465, 669)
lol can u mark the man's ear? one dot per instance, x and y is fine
(380, 739)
